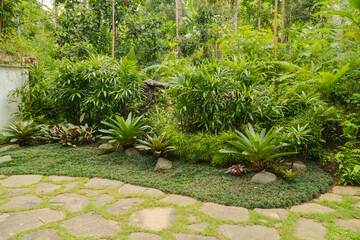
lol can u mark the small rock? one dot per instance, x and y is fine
(132, 152)
(5, 158)
(263, 177)
(353, 224)
(105, 145)
(163, 163)
(309, 229)
(297, 166)
(12, 146)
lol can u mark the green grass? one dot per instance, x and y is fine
(200, 181)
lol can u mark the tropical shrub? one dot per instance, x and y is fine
(258, 149)
(69, 134)
(124, 132)
(156, 145)
(348, 161)
(22, 132)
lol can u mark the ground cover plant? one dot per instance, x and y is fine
(200, 181)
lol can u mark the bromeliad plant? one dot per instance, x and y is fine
(156, 145)
(258, 149)
(22, 132)
(124, 132)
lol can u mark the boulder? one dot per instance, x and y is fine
(297, 166)
(263, 177)
(163, 163)
(132, 152)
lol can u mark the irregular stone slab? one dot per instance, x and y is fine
(90, 224)
(311, 208)
(130, 189)
(331, 197)
(154, 219)
(45, 234)
(275, 213)
(132, 152)
(309, 229)
(297, 166)
(13, 223)
(91, 191)
(102, 200)
(188, 236)
(20, 180)
(348, 190)
(5, 158)
(144, 236)
(163, 164)
(238, 214)
(16, 191)
(123, 204)
(99, 182)
(199, 226)
(12, 146)
(24, 201)
(178, 199)
(255, 232)
(72, 201)
(60, 178)
(353, 224)
(70, 186)
(263, 178)
(46, 187)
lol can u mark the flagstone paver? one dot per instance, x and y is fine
(346, 190)
(19, 180)
(122, 205)
(155, 219)
(72, 201)
(16, 191)
(199, 226)
(238, 214)
(102, 199)
(309, 229)
(11, 146)
(256, 232)
(12, 223)
(353, 224)
(23, 201)
(5, 158)
(90, 224)
(188, 236)
(178, 199)
(97, 225)
(130, 189)
(45, 234)
(144, 236)
(276, 213)
(311, 208)
(330, 197)
(46, 187)
(98, 182)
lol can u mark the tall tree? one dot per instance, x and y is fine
(179, 23)
(283, 4)
(275, 26)
(235, 15)
(259, 16)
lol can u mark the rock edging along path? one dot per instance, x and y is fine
(60, 207)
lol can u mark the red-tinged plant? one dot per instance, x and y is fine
(237, 169)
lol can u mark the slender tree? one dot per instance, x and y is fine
(275, 26)
(259, 16)
(283, 4)
(179, 23)
(235, 15)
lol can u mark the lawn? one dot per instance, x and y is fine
(203, 182)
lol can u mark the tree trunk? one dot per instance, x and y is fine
(235, 15)
(1, 18)
(275, 27)
(283, 3)
(259, 16)
(179, 23)
(55, 14)
(113, 30)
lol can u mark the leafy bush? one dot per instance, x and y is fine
(156, 145)
(258, 149)
(348, 160)
(69, 134)
(22, 132)
(124, 132)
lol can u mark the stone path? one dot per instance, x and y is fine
(59, 207)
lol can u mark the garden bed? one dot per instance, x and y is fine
(202, 182)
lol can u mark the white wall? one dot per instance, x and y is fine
(10, 79)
